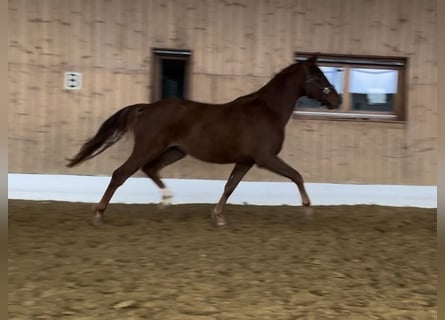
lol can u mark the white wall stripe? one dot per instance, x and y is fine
(142, 190)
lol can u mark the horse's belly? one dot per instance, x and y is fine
(217, 151)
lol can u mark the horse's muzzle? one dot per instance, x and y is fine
(332, 103)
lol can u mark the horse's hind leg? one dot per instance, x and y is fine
(151, 169)
(120, 175)
(238, 172)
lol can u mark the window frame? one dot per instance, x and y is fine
(347, 62)
(159, 54)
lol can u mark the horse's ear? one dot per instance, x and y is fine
(312, 60)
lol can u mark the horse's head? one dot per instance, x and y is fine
(318, 87)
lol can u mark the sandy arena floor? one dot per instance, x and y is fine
(349, 262)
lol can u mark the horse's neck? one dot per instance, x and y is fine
(282, 95)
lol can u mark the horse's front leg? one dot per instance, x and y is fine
(275, 164)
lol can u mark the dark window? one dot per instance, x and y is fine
(171, 73)
(172, 78)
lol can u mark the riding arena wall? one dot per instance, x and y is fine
(236, 47)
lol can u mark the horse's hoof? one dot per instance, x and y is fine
(164, 204)
(167, 197)
(308, 213)
(97, 221)
(219, 219)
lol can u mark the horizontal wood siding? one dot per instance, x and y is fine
(237, 46)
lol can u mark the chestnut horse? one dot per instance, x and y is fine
(247, 131)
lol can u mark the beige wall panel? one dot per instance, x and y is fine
(344, 151)
(222, 89)
(237, 47)
(202, 88)
(52, 129)
(422, 134)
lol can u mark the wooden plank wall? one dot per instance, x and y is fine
(237, 46)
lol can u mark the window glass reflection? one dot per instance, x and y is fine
(373, 89)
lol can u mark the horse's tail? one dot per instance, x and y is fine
(110, 132)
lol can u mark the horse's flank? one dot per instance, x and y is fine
(209, 132)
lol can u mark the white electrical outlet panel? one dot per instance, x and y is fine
(72, 81)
